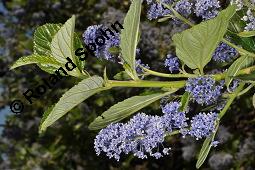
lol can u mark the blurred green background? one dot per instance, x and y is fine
(68, 144)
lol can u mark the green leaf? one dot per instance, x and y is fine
(236, 26)
(129, 37)
(247, 34)
(165, 18)
(43, 37)
(72, 98)
(240, 63)
(206, 148)
(78, 44)
(253, 100)
(196, 46)
(122, 76)
(246, 77)
(35, 59)
(114, 50)
(184, 101)
(124, 109)
(62, 46)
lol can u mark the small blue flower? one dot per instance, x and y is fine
(90, 35)
(233, 85)
(109, 140)
(224, 53)
(173, 118)
(172, 62)
(215, 143)
(157, 10)
(183, 7)
(114, 41)
(139, 63)
(203, 125)
(207, 9)
(140, 136)
(143, 134)
(204, 90)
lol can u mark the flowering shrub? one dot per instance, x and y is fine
(218, 38)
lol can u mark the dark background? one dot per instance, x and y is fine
(68, 144)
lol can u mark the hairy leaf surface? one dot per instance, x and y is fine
(43, 37)
(35, 59)
(129, 36)
(72, 98)
(124, 109)
(63, 43)
(196, 46)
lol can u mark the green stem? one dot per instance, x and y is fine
(143, 83)
(150, 72)
(231, 99)
(246, 90)
(187, 75)
(173, 133)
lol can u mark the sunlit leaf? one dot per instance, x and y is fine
(196, 45)
(63, 46)
(124, 109)
(129, 37)
(35, 59)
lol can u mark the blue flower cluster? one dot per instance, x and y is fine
(207, 9)
(144, 135)
(173, 118)
(157, 10)
(139, 66)
(139, 136)
(183, 7)
(224, 53)
(203, 125)
(172, 62)
(94, 31)
(204, 89)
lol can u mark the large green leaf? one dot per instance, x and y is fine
(195, 46)
(72, 98)
(42, 38)
(240, 63)
(35, 59)
(129, 37)
(62, 45)
(124, 109)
